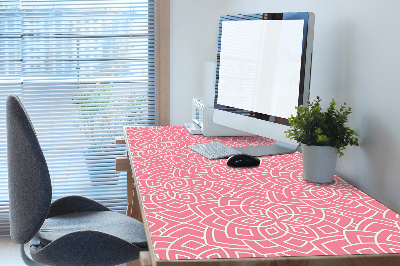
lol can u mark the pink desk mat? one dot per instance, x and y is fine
(198, 208)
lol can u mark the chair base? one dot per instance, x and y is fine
(26, 259)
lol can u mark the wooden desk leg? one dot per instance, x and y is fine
(135, 202)
(144, 258)
(122, 164)
(129, 192)
(133, 209)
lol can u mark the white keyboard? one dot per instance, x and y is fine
(214, 150)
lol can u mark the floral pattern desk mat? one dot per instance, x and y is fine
(198, 208)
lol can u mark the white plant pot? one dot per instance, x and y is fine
(319, 163)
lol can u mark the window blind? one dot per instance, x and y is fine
(83, 70)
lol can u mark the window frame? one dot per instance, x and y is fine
(163, 88)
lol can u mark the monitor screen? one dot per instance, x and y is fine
(260, 63)
(263, 71)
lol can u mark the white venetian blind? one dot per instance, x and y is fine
(83, 70)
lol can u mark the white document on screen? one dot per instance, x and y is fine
(260, 63)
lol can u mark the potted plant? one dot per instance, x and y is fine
(323, 135)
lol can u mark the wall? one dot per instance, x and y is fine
(355, 59)
(194, 41)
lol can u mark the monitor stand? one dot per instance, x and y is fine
(276, 148)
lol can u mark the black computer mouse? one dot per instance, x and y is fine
(242, 160)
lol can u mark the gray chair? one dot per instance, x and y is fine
(70, 231)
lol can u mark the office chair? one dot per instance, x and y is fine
(70, 231)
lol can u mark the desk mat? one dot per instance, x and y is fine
(198, 208)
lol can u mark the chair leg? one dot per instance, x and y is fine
(26, 259)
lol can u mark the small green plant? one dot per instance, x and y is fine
(312, 126)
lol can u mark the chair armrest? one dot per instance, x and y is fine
(72, 204)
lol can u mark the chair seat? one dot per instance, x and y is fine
(108, 222)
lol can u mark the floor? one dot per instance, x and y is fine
(10, 256)
(9, 253)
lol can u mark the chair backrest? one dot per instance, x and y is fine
(29, 183)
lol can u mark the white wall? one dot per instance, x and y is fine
(356, 59)
(194, 41)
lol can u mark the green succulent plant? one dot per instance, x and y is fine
(312, 126)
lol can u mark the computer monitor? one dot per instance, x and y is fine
(263, 73)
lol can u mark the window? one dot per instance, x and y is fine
(83, 70)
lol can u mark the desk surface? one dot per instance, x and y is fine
(197, 208)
